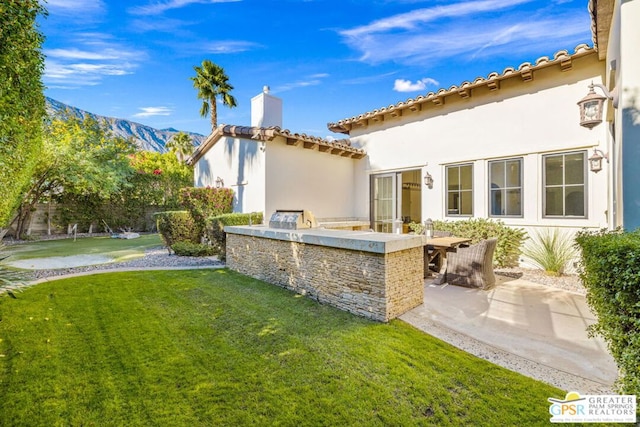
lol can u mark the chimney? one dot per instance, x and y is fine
(266, 110)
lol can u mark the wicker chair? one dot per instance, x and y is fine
(473, 266)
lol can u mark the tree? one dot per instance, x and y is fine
(22, 106)
(211, 81)
(81, 159)
(182, 145)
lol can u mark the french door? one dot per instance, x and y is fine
(395, 196)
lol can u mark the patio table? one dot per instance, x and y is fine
(435, 253)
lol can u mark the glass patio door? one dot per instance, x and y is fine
(396, 196)
(385, 208)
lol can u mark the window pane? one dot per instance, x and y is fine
(452, 203)
(497, 175)
(466, 178)
(466, 205)
(574, 167)
(453, 180)
(553, 199)
(496, 202)
(514, 202)
(574, 200)
(513, 173)
(553, 170)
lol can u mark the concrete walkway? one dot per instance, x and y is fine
(533, 329)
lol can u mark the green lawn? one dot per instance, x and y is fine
(212, 347)
(119, 249)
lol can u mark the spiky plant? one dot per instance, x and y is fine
(8, 278)
(551, 250)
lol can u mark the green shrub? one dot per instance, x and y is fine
(215, 228)
(205, 202)
(192, 249)
(610, 271)
(177, 226)
(551, 251)
(509, 244)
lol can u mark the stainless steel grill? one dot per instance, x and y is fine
(292, 219)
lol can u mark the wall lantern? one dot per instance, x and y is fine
(428, 180)
(595, 161)
(592, 105)
(219, 182)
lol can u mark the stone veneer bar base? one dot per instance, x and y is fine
(375, 275)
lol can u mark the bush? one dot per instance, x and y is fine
(192, 249)
(509, 244)
(215, 228)
(610, 271)
(551, 251)
(205, 202)
(177, 226)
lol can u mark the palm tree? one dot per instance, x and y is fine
(181, 144)
(211, 81)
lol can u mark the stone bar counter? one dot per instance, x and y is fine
(375, 275)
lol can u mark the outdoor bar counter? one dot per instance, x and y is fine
(375, 275)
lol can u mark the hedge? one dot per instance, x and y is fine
(610, 271)
(192, 249)
(215, 228)
(205, 202)
(177, 226)
(510, 240)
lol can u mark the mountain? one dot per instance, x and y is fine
(146, 137)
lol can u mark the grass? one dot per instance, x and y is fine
(212, 347)
(119, 249)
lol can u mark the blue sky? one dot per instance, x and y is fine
(327, 59)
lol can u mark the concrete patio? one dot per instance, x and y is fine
(533, 329)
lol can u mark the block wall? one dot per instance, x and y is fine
(377, 286)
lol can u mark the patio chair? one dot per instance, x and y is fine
(472, 266)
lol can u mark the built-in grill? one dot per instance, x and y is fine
(292, 219)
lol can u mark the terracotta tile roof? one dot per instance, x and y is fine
(562, 58)
(340, 147)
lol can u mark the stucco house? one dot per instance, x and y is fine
(507, 146)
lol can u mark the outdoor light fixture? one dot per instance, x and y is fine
(592, 105)
(595, 161)
(428, 180)
(219, 182)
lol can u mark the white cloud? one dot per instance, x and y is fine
(312, 80)
(75, 7)
(95, 57)
(466, 30)
(401, 85)
(74, 53)
(410, 20)
(157, 8)
(153, 111)
(228, 46)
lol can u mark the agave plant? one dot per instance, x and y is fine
(551, 251)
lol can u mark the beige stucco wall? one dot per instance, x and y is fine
(241, 164)
(520, 119)
(300, 178)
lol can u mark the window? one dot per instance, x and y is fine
(460, 190)
(505, 187)
(565, 177)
